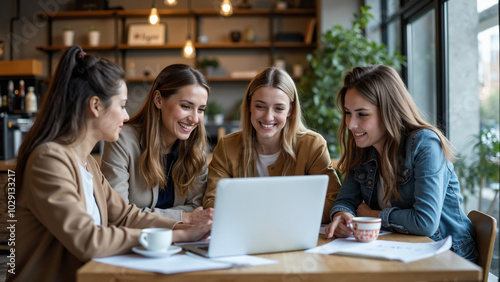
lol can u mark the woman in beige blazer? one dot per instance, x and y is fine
(273, 140)
(159, 161)
(66, 211)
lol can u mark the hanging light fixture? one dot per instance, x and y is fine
(171, 2)
(226, 9)
(154, 18)
(188, 50)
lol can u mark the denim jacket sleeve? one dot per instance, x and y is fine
(419, 210)
(349, 196)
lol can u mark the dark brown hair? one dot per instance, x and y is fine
(78, 77)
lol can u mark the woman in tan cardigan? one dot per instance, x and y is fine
(273, 140)
(66, 211)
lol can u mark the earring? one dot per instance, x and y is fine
(159, 114)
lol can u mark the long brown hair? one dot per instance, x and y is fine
(382, 86)
(294, 127)
(191, 157)
(61, 118)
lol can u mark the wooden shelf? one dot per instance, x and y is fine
(120, 50)
(68, 15)
(78, 15)
(53, 48)
(232, 45)
(236, 12)
(212, 45)
(280, 44)
(151, 47)
(144, 13)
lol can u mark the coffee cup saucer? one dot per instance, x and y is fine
(147, 253)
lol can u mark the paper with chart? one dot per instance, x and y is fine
(381, 249)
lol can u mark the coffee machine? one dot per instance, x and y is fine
(13, 128)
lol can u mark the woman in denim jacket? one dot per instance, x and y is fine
(397, 166)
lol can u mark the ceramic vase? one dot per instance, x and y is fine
(68, 37)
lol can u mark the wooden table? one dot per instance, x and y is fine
(301, 266)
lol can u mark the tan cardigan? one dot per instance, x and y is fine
(313, 158)
(120, 165)
(54, 233)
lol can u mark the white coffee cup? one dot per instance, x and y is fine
(156, 239)
(365, 229)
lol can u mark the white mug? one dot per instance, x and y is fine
(365, 229)
(156, 239)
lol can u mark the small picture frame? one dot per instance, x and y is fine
(146, 34)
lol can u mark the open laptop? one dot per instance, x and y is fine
(264, 215)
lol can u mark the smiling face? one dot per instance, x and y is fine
(269, 109)
(182, 112)
(111, 121)
(364, 121)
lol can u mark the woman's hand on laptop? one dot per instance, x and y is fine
(192, 233)
(338, 226)
(198, 216)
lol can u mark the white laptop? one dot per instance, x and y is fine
(264, 215)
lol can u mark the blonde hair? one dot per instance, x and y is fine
(294, 127)
(191, 156)
(382, 86)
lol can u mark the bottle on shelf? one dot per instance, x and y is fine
(22, 96)
(12, 97)
(31, 100)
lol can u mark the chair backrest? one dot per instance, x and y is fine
(486, 229)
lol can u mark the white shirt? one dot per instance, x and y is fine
(88, 190)
(263, 161)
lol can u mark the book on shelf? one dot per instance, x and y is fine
(309, 34)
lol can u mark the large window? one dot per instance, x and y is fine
(421, 44)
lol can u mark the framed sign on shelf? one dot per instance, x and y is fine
(146, 34)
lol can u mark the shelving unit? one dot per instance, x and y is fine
(120, 49)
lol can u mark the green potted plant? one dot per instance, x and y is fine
(483, 167)
(208, 65)
(342, 50)
(214, 112)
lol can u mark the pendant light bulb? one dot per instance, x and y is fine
(171, 2)
(154, 18)
(226, 9)
(188, 50)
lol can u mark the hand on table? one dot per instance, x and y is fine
(191, 233)
(198, 216)
(338, 226)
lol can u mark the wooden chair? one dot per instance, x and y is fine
(486, 229)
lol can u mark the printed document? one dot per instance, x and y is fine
(381, 249)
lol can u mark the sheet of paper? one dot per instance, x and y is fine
(182, 263)
(168, 265)
(243, 260)
(381, 249)
(334, 246)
